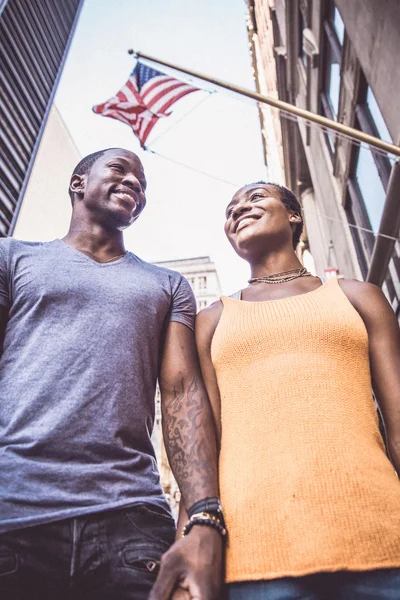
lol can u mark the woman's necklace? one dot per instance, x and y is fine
(282, 277)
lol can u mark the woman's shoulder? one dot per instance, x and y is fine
(368, 299)
(211, 314)
(360, 291)
(207, 321)
(353, 285)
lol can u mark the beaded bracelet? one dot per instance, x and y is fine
(206, 519)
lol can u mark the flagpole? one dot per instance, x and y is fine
(281, 105)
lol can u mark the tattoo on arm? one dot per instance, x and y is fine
(190, 441)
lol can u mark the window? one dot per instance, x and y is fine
(377, 117)
(202, 283)
(338, 25)
(371, 187)
(333, 37)
(303, 24)
(369, 174)
(373, 167)
(333, 42)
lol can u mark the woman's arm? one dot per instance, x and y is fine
(384, 352)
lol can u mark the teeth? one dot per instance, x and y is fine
(123, 196)
(245, 222)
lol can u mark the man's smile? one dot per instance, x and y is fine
(127, 197)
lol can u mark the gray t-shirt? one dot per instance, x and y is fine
(77, 380)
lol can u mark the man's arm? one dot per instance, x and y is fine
(188, 424)
(206, 323)
(384, 352)
(194, 562)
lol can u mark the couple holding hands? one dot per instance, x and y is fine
(288, 488)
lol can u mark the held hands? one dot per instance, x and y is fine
(180, 594)
(192, 568)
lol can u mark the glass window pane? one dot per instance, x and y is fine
(371, 187)
(334, 87)
(330, 138)
(302, 26)
(377, 117)
(339, 25)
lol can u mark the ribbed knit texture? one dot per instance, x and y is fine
(306, 485)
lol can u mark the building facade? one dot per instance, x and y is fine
(35, 40)
(336, 58)
(202, 275)
(46, 209)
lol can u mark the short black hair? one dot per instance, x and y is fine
(83, 167)
(290, 201)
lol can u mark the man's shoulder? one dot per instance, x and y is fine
(158, 271)
(13, 242)
(12, 246)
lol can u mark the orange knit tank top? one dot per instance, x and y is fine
(306, 485)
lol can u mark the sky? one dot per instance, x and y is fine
(215, 133)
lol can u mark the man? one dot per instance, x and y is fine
(86, 328)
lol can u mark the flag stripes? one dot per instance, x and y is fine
(145, 98)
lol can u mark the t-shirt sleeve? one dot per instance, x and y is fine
(183, 304)
(4, 286)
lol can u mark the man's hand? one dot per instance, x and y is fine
(180, 594)
(192, 564)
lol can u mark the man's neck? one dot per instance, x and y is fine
(95, 241)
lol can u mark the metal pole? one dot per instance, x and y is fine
(290, 108)
(390, 225)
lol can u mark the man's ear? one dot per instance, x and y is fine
(77, 184)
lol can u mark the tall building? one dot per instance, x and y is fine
(35, 37)
(336, 58)
(202, 275)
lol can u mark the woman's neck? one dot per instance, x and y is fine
(275, 263)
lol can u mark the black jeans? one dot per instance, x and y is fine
(107, 556)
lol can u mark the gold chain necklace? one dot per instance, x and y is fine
(282, 277)
(114, 258)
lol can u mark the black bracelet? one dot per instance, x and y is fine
(208, 505)
(211, 505)
(207, 522)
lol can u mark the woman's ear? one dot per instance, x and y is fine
(295, 217)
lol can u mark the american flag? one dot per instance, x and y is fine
(145, 97)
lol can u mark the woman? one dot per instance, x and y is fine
(311, 500)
